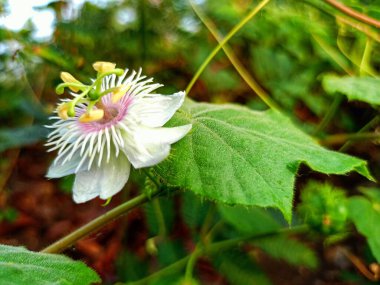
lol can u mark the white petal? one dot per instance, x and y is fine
(56, 170)
(155, 110)
(149, 146)
(104, 181)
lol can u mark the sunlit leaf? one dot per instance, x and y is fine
(365, 89)
(238, 156)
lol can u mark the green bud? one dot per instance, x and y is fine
(323, 207)
(93, 95)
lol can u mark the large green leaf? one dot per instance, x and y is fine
(366, 89)
(238, 156)
(366, 217)
(19, 266)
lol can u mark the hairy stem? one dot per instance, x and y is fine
(99, 222)
(354, 14)
(240, 25)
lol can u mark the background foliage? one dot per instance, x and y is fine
(321, 68)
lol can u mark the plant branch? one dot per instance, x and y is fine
(99, 222)
(215, 248)
(331, 112)
(342, 138)
(369, 125)
(354, 14)
(240, 25)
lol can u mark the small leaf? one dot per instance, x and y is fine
(365, 89)
(22, 267)
(238, 156)
(366, 217)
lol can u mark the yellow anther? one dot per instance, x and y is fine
(92, 116)
(62, 111)
(68, 78)
(103, 66)
(119, 92)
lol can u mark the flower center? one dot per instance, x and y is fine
(110, 113)
(113, 114)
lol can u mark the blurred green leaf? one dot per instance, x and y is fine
(365, 89)
(193, 209)
(237, 156)
(22, 267)
(291, 251)
(256, 220)
(17, 137)
(239, 268)
(366, 217)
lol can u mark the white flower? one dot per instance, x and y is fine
(99, 143)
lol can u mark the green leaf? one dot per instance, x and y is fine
(19, 266)
(256, 221)
(238, 156)
(239, 268)
(17, 137)
(366, 89)
(193, 210)
(291, 251)
(366, 217)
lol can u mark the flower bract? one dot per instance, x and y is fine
(101, 141)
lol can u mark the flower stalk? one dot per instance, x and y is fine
(99, 222)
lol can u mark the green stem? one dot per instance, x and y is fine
(191, 264)
(160, 218)
(225, 40)
(369, 125)
(353, 13)
(151, 177)
(366, 59)
(215, 248)
(340, 17)
(251, 82)
(329, 115)
(334, 54)
(99, 222)
(341, 138)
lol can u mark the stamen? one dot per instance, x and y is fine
(68, 78)
(62, 111)
(120, 92)
(103, 66)
(92, 116)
